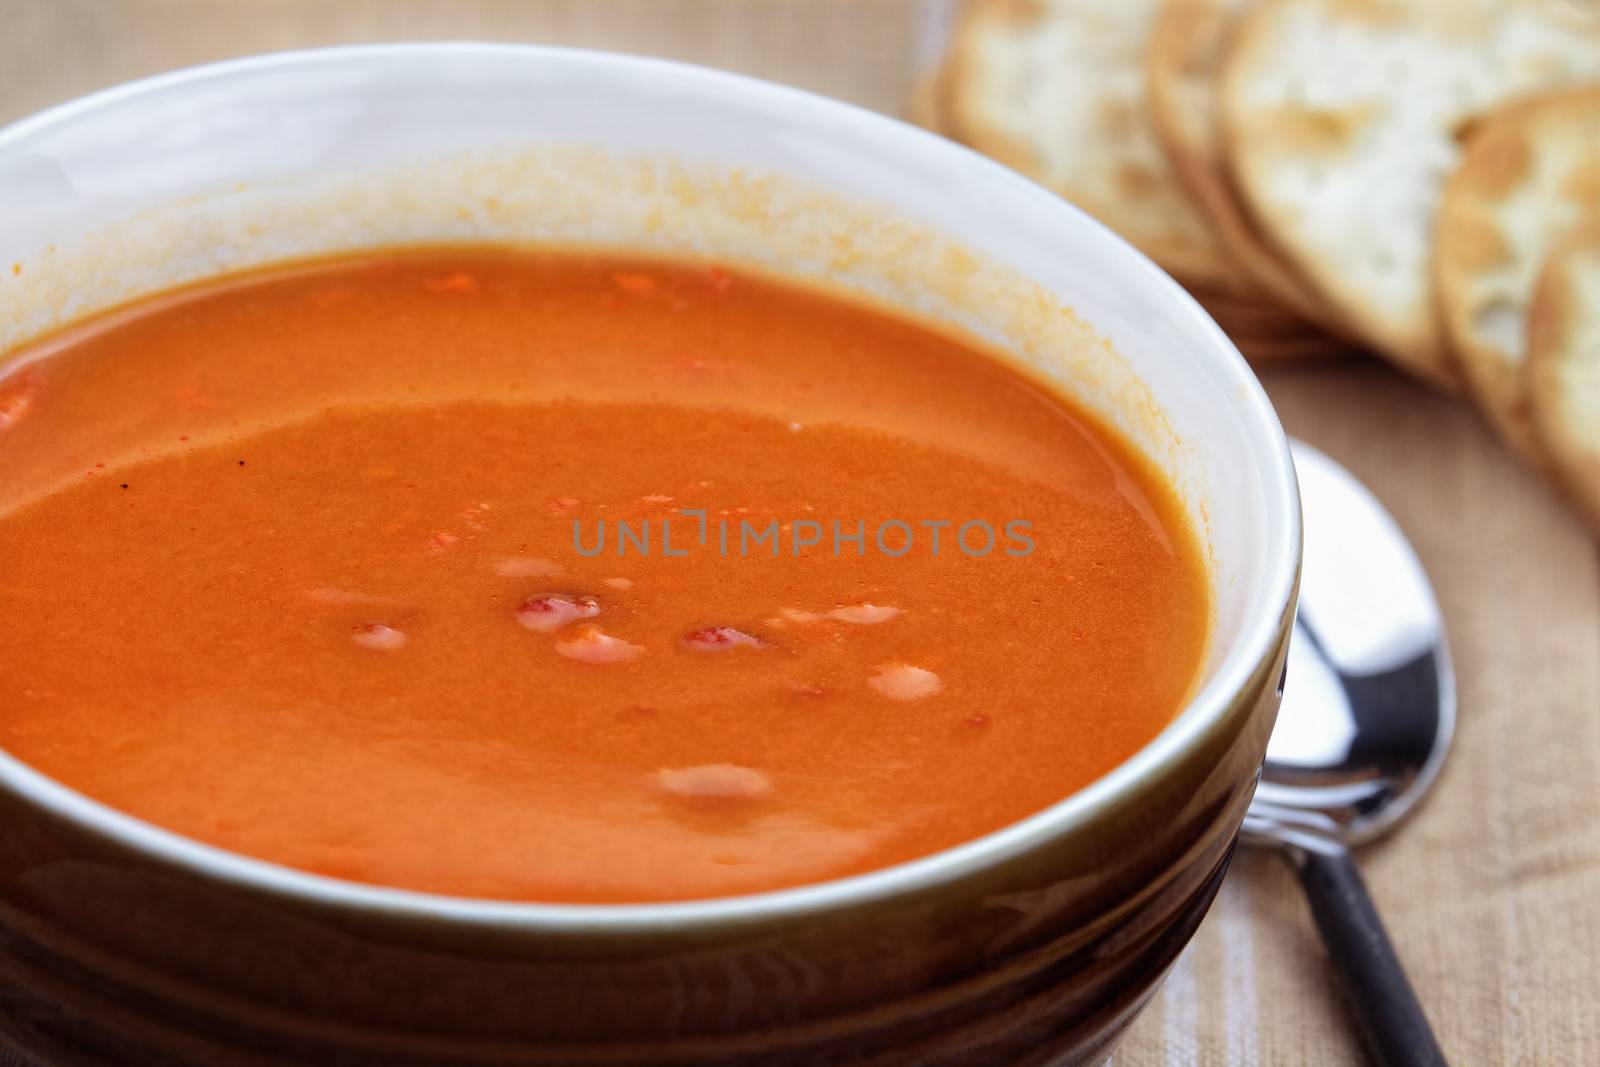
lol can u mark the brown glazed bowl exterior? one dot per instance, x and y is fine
(120, 944)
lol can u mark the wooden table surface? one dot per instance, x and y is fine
(1492, 893)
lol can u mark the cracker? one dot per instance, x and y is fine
(1056, 89)
(1320, 349)
(1258, 320)
(1341, 118)
(1187, 46)
(1564, 367)
(1529, 174)
(1269, 335)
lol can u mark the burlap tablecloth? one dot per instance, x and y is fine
(1492, 893)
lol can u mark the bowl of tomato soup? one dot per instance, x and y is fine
(525, 556)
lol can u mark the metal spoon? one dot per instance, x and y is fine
(1368, 710)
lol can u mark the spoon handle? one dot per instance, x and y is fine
(1390, 1017)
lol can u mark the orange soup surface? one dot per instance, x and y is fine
(546, 576)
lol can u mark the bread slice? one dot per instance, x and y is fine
(1530, 173)
(1184, 63)
(1056, 89)
(1564, 367)
(1341, 119)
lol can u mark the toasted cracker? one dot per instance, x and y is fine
(1529, 174)
(1341, 118)
(1564, 366)
(1269, 335)
(1320, 349)
(1187, 46)
(1056, 89)
(1258, 320)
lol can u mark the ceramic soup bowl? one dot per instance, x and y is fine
(126, 944)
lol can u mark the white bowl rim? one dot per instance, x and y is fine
(1250, 652)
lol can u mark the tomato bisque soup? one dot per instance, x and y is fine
(344, 565)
